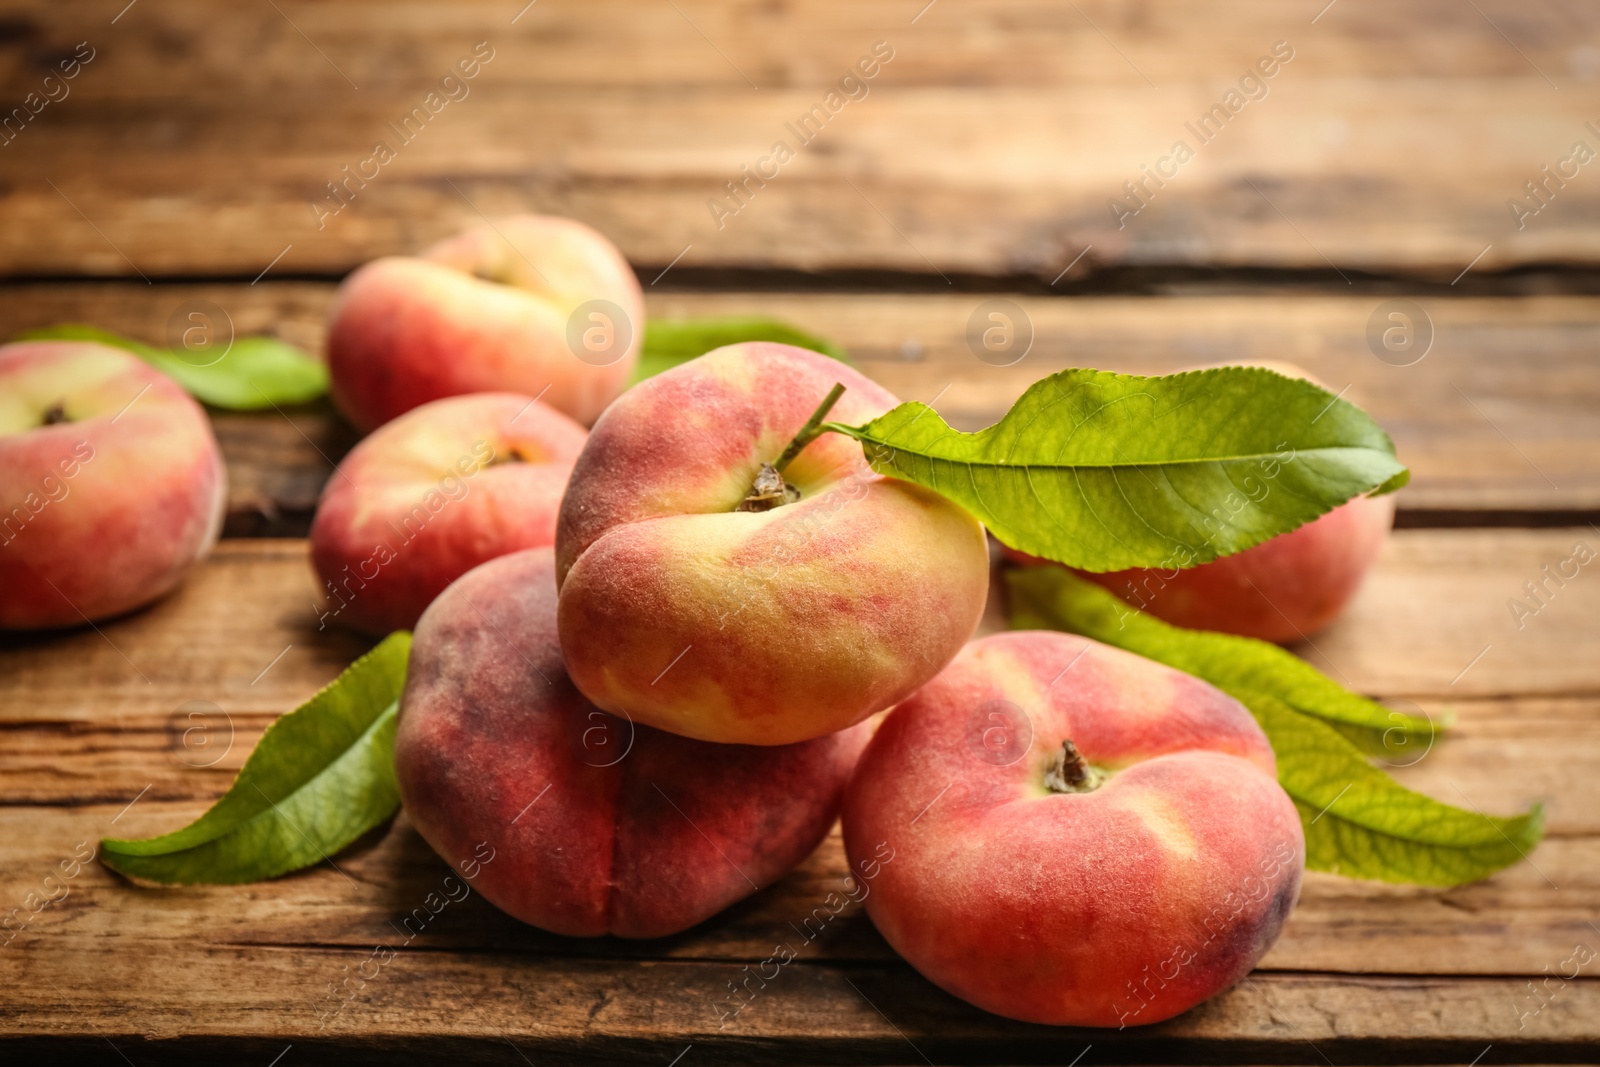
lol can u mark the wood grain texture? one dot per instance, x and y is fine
(1481, 432)
(992, 143)
(174, 1005)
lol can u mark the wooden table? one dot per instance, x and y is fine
(185, 163)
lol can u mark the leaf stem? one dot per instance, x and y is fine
(813, 427)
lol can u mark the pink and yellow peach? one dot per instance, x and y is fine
(432, 494)
(1080, 836)
(766, 627)
(488, 310)
(111, 484)
(594, 825)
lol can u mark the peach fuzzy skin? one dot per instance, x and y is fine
(107, 509)
(756, 628)
(481, 312)
(596, 826)
(1121, 906)
(431, 495)
(1284, 589)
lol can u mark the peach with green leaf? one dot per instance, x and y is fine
(706, 591)
(1358, 821)
(1081, 836)
(712, 590)
(1283, 589)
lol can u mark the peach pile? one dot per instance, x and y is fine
(111, 482)
(1081, 836)
(621, 797)
(663, 714)
(646, 655)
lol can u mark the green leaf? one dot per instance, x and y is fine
(254, 373)
(1108, 471)
(321, 776)
(1231, 663)
(1361, 823)
(669, 342)
(1399, 481)
(1358, 821)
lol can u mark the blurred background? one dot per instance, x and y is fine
(1155, 184)
(1402, 198)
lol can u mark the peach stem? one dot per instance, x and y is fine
(812, 429)
(1071, 773)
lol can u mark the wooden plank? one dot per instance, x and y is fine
(992, 143)
(278, 463)
(1434, 619)
(239, 639)
(1481, 432)
(495, 1008)
(612, 43)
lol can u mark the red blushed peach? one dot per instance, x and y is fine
(1284, 589)
(765, 627)
(532, 304)
(1281, 590)
(1077, 835)
(591, 825)
(111, 484)
(430, 496)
